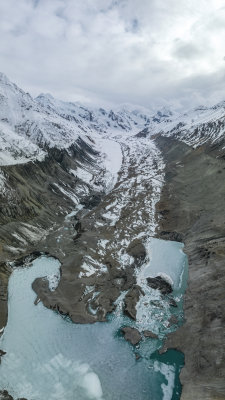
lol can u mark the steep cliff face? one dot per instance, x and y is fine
(192, 208)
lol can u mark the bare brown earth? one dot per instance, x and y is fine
(191, 208)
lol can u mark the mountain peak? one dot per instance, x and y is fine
(4, 78)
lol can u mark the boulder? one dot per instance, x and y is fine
(161, 284)
(137, 250)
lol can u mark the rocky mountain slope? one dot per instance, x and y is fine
(123, 175)
(191, 208)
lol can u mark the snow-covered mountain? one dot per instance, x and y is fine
(100, 120)
(197, 127)
(28, 127)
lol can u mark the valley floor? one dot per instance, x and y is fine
(164, 188)
(99, 259)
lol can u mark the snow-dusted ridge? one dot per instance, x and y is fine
(29, 126)
(196, 127)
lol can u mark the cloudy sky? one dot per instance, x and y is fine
(147, 52)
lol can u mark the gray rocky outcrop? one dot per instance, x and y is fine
(131, 299)
(132, 335)
(137, 250)
(192, 205)
(160, 284)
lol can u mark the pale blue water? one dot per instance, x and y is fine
(50, 358)
(166, 259)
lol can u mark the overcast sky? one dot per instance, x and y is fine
(147, 52)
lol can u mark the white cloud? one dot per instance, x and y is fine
(146, 52)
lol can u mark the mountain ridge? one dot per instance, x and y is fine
(48, 122)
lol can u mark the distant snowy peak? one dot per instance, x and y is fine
(3, 79)
(98, 119)
(163, 115)
(14, 102)
(28, 127)
(15, 106)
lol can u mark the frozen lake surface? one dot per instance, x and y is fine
(48, 357)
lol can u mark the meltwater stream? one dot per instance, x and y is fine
(48, 357)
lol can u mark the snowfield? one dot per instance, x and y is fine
(111, 159)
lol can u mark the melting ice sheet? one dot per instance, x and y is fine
(48, 357)
(165, 259)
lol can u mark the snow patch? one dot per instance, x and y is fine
(53, 281)
(68, 193)
(111, 159)
(82, 174)
(88, 270)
